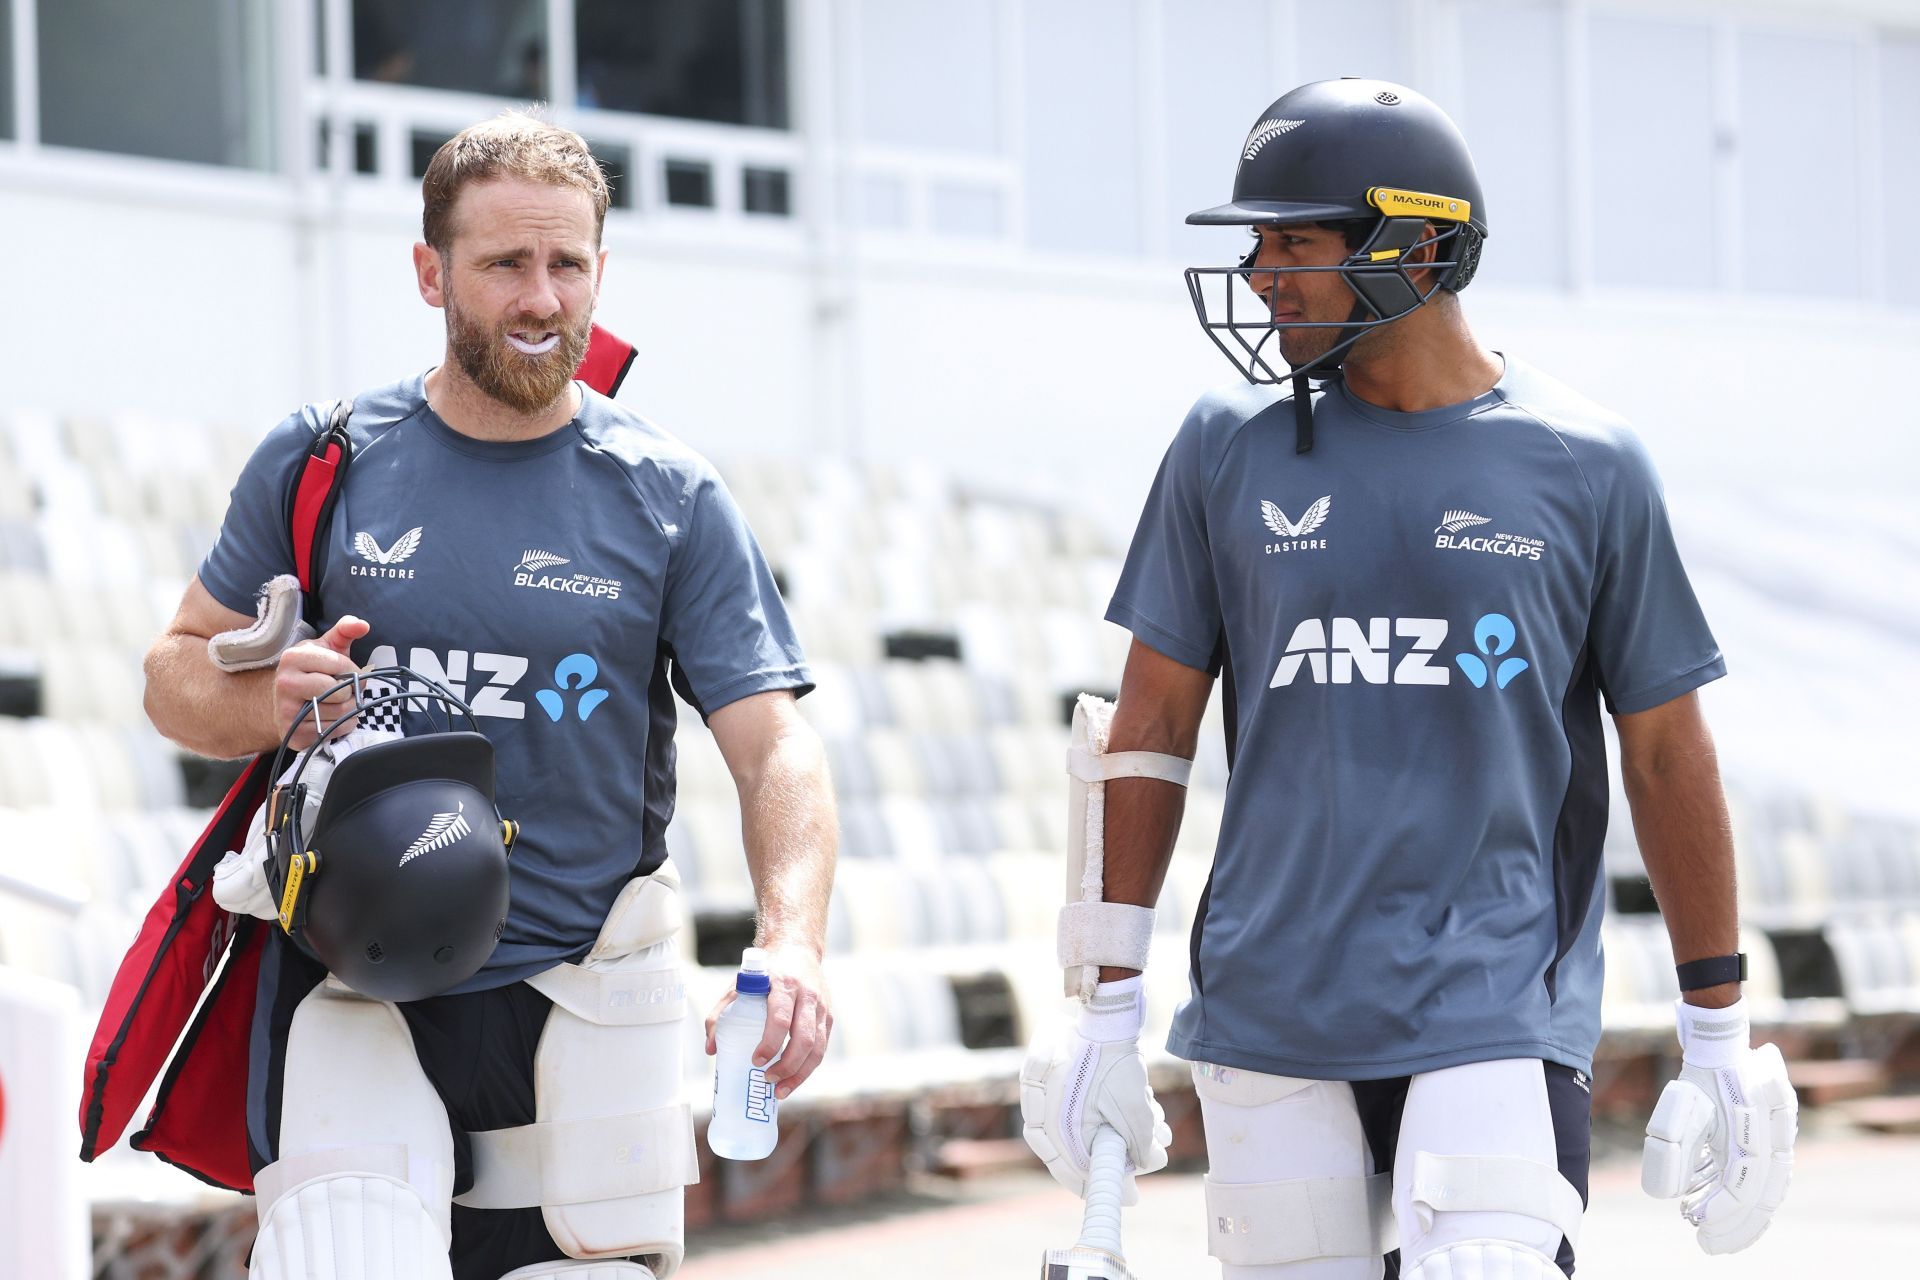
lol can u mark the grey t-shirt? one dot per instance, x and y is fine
(1418, 620)
(550, 583)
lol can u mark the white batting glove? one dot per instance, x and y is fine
(1091, 1074)
(1722, 1135)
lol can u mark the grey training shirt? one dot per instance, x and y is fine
(1418, 620)
(549, 582)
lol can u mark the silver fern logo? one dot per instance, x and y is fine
(445, 829)
(1455, 521)
(535, 561)
(1266, 131)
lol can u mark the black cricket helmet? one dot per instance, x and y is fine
(1337, 150)
(400, 885)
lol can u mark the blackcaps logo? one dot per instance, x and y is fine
(1454, 522)
(1266, 131)
(532, 570)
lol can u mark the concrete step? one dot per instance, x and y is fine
(1823, 1082)
(1883, 1115)
(979, 1157)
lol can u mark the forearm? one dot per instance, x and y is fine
(1142, 819)
(1686, 841)
(223, 714)
(789, 827)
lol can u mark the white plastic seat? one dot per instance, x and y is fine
(977, 896)
(156, 768)
(832, 708)
(722, 859)
(863, 830)
(895, 762)
(935, 761)
(854, 775)
(911, 828)
(23, 779)
(700, 770)
(992, 698)
(1032, 888)
(1808, 897)
(28, 621)
(1014, 825)
(84, 772)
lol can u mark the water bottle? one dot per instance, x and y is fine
(743, 1125)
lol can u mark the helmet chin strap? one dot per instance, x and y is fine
(1350, 333)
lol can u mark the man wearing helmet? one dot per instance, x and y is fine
(1420, 584)
(562, 566)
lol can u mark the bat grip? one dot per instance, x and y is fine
(1100, 1223)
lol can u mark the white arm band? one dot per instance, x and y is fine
(1088, 767)
(1094, 932)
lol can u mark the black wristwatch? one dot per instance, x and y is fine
(1713, 971)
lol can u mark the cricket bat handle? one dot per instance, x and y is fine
(1100, 1223)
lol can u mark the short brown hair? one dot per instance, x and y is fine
(511, 145)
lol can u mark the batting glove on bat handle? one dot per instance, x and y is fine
(1721, 1137)
(1084, 1076)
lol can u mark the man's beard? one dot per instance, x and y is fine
(1300, 347)
(522, 382)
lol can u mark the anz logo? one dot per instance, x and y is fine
(575, 676)
(576, 672)
(501, 671)
(1350, 649)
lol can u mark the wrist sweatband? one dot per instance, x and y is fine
(1713, 971)
(1115, 1011)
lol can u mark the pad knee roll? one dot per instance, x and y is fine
(1494, 1211)
(581, 1271)
(349, 1227)
(1485, 1260)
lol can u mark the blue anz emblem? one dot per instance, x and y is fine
(577, 671)
(1493, 635)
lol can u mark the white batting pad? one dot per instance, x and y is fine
(350, 1227)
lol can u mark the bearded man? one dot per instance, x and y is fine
(563, 565)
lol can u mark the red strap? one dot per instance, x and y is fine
(607, 361)
(316, 481)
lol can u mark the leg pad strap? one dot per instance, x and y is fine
(564, 1162)
(1254, 1224)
